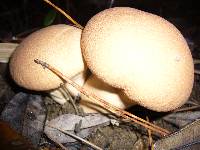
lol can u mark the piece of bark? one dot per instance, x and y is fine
(188, 138)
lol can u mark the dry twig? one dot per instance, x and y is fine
(58, 143)
(65, 14)
(150, 137)
(196, 61)
(67, 94)
(108, 106)
(78, 138)
(187, 108)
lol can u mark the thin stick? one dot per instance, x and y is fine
(111, 3)
(197, 71)
(55, 141)
(66, 92)
(78, 138)
(196, 61)
(150, 137)
(64, 13)
(105, 104)
(187, 108)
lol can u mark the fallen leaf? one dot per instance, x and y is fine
(67, 122)
(25, 113)
(181, 119)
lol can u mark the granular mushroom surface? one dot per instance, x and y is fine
(141, 53)
(110, 94)
(58, 45)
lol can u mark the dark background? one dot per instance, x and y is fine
(21, 17)
(25, 15)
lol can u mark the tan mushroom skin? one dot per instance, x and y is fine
(58, 45)
(141, 53)
(103, 90)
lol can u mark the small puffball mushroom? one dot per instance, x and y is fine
(105, 92)
(141, 53)
(58, 45)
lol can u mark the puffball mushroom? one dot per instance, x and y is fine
(104, 91)
(58, 45)
(141, 53)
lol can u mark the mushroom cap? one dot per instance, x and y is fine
(58, 45)
(141, 53)
(104, 91)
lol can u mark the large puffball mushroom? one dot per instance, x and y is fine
(104, 91)
(141, 53)
(58, 45)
